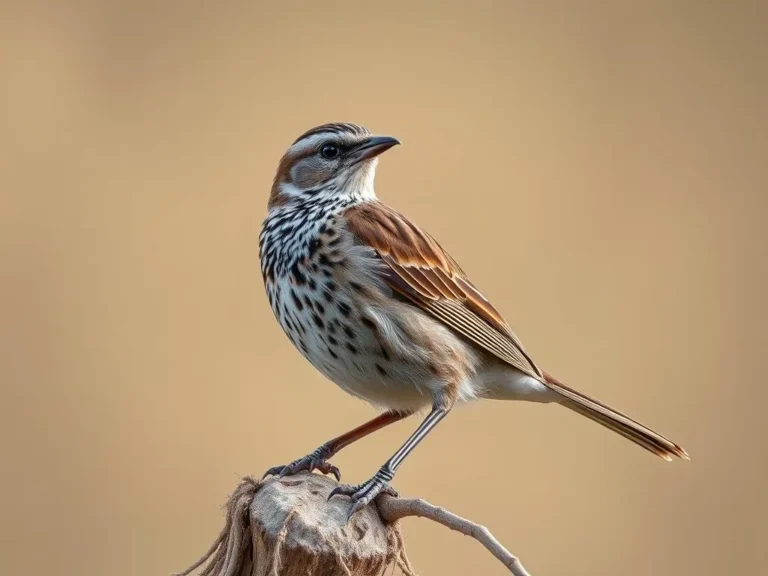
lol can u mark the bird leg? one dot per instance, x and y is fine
(318, 459)
(362, 494)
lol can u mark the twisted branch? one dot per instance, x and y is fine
(393, 509)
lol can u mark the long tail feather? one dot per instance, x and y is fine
(615, 420)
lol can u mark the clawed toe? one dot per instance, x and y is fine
(274, 471)
(343, 489)
(308, 463)
(391, 491)
(364, 493)
(326, 468)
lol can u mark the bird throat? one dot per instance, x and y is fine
(290, 233)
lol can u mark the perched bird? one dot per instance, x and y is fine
(381, 309)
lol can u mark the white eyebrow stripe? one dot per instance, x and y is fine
(310, 142)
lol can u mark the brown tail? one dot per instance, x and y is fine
(615, 420)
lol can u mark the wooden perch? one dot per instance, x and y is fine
(287, 527)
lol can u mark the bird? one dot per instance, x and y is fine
(377, 305)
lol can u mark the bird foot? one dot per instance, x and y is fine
(309, 463)
(363, 494)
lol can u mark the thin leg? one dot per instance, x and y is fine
(362, 494)
(385, 419)
(318, 460)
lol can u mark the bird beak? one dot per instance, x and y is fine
(372, 147)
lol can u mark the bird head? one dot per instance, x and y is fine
(333, 160)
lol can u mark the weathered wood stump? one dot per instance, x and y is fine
(287, 527)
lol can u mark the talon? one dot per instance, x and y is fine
(358, 505)
(391, 491)
(337, 490)
(364, 493)
(327, 468)
(305, 464)
(272, 471)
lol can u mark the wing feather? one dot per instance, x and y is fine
(420, 270)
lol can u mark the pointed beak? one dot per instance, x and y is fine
(372, 147)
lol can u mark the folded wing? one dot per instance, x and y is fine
(421, 271)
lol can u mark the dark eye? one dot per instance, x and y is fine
(329, 151)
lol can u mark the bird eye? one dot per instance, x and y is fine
(329, 151)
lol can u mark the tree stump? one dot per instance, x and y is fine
(287, 527)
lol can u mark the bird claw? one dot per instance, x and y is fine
(363, 494)
(326, 468)
(307, 463)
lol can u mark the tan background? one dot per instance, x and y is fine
(600, 169)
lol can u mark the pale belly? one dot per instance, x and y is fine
(355, 343)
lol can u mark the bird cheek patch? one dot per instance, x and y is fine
(310, 174)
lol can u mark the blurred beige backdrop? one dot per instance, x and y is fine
(600, 169)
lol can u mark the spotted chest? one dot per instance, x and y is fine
(334, 308)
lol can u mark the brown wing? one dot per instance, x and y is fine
(421, 271)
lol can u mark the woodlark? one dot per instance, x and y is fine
(377, 306)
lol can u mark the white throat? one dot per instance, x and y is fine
(359, 184)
